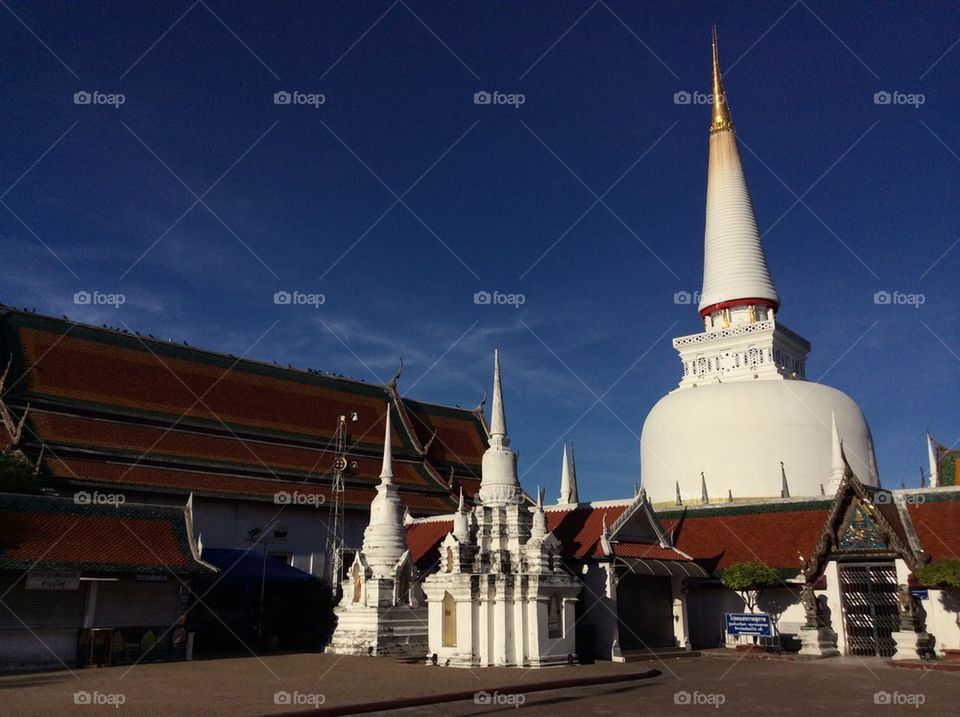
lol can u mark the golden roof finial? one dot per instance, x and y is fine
(721, 110)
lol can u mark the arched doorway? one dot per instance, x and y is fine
(449, 622)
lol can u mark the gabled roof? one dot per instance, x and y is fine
(39, 532)
(156, 410)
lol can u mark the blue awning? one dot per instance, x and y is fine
(248, 566)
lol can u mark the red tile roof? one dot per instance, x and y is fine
(457, 441)
(776, 534)
(107, 395)
(55, 533)
(191, 448)
(165, 479)
(578, 529)
(423, 541)
(647, 551)
(937, 523)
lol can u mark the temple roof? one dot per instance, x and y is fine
(38, 532)
(115, 408)
(781, 533)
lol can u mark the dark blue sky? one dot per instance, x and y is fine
(296, 190)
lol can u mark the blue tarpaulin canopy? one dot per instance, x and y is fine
(248, 566)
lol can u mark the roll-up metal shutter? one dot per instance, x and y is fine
(40, 609)
(126, 603)
(644, 611)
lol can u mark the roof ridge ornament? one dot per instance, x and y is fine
(397, 375)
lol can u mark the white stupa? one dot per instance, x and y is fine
(744, 405)
(382, 611)
(502, 596)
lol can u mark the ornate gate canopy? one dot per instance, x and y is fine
(865, 523)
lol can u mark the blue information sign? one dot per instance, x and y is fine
(745, 623)
(921, 594)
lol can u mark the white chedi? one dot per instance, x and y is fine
(381, 610)
(385, 538)
(501, 595)
(743, 406)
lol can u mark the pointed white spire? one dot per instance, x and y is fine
(386, 469)
(678, 500)
(837, 466)
(734, 264)
(704, 498)
(932, 459)
(538, 529)
(568, 478)
(385, 538)
(784, 488)
(498, 483)
(498, 420)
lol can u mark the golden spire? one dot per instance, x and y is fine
(721, 110)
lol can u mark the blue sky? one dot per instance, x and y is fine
(398, 198)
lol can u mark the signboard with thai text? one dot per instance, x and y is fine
(53, 580)
(746, 623)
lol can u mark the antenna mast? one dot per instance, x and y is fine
(335, 524)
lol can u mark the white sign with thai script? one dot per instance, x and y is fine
(53, 580)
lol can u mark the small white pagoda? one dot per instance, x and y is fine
(382, 611)
(502, 595)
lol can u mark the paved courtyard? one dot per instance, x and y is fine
(706, 685)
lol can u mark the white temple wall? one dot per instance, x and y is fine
(943, 609)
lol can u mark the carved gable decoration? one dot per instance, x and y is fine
(863, 520)
(860, 531)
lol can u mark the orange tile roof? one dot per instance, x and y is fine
(165, 479)
(55, 533)
(112, 396)
(937, 523)
(774, 534)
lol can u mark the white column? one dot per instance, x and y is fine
(681, 632)
(90, 610)
(832, 577)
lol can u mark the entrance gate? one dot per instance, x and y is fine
(871, 611)
(645, 612)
